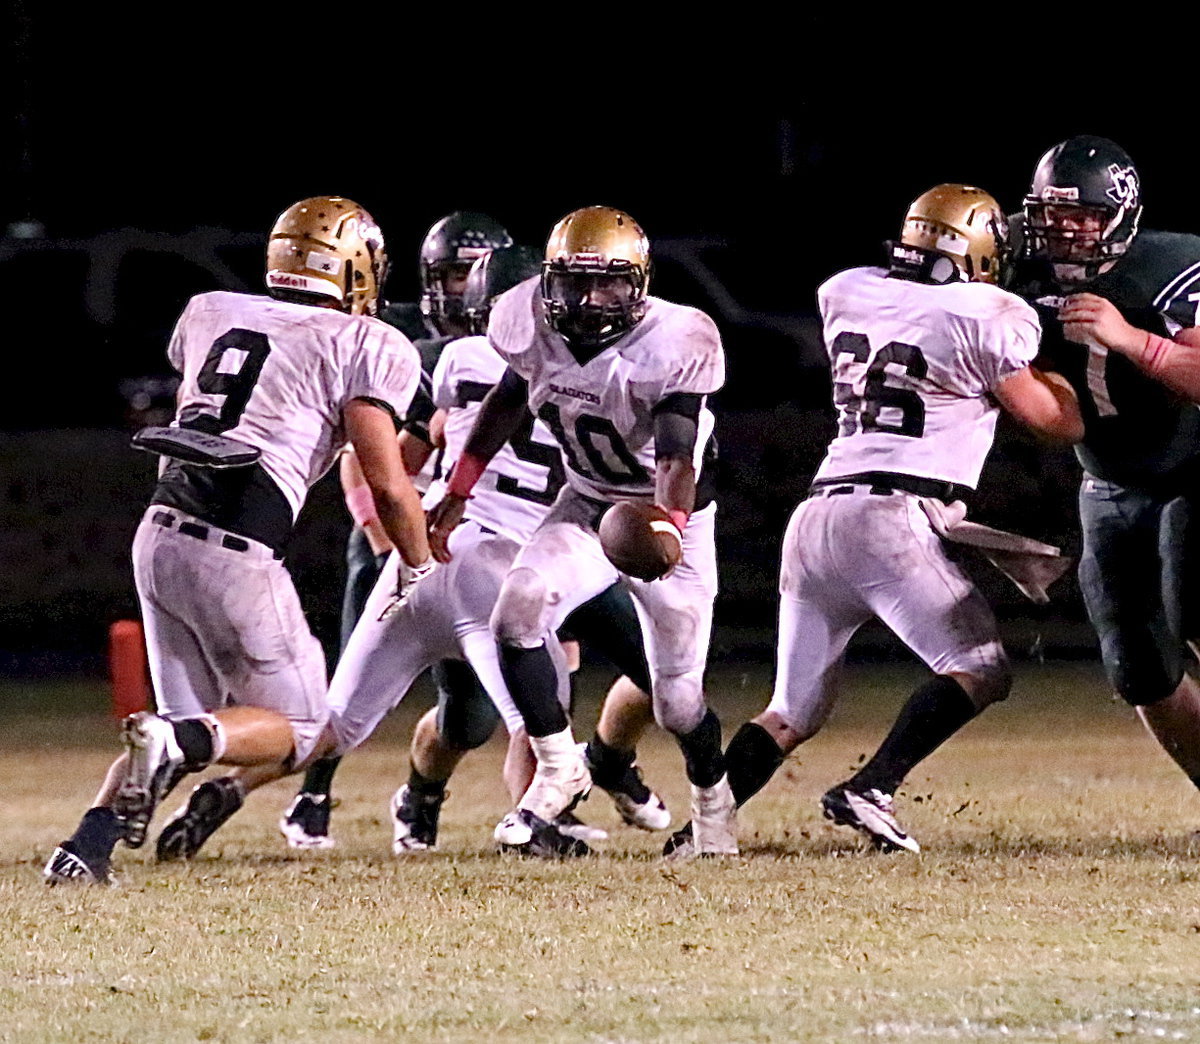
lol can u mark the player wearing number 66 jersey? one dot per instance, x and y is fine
(921, 353)
(1119, 307)
(294, 375)
(621, 379)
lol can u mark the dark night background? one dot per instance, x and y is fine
(144, 161)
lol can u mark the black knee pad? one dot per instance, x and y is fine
(466, 716)
(1142, 689)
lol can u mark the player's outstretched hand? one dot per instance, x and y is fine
(442, 520)
(1093, 320)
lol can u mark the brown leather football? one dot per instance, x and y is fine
(637, 542)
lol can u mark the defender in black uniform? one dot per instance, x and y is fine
(1118, 308)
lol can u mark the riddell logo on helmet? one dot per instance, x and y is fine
(1065, 194)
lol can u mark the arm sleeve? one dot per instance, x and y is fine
(675, 434)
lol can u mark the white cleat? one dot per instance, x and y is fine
(870, 812)
(513, 831)
(714, 820)
(650, 814)
(155, 766)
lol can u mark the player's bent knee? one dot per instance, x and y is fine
(520, 615)
(988, 685)
(468, 729)
(679, 701)
(308, 734)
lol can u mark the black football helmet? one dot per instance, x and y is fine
(497, 271)
(449, 248)
(1083, 208)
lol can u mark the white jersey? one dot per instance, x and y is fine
(601, 411)
(913, 365)
(523, 478)
(277, 376)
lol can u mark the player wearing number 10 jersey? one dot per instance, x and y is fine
(920, 353)
(621, 380)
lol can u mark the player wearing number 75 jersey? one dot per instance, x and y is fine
(621, 380)
(922, 354)
(1119, 308)
(293, 376)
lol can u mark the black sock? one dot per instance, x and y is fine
(97, 834)
(751, 759)
(934, 713)
(195, 739)
(702, 752)
(425, 785)
(533, 683)
(319, 777)
(607, 765)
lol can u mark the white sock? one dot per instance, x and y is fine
(555, 751)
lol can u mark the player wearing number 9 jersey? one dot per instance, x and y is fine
(1119, 309)
(294, 375)
(921, 352)
(622, 380)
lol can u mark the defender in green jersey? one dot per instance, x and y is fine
(1118, 307)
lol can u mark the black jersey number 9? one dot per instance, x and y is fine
(237, 386)
(861, 413)
(525, 448)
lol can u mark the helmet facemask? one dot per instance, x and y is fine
(595, 277)
(593, 308)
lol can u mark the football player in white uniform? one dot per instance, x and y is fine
(448, 616)
(291, 376)
(924, 354)
(622, 380)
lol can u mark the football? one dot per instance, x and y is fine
(640, 539)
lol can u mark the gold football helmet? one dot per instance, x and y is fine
(965, 224)
(595, 276)
(330, 246)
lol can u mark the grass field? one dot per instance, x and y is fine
(1057, 898)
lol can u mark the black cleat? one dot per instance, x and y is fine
(306, 822)
(210, 805)
(523, 833)
(67, 865)
(870, 812)
(414, 820)
(681, 844)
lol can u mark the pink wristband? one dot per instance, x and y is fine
(680, 518)
(1155, 352)
(467, 470)
(361, 505)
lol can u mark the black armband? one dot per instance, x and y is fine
(419, 415)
